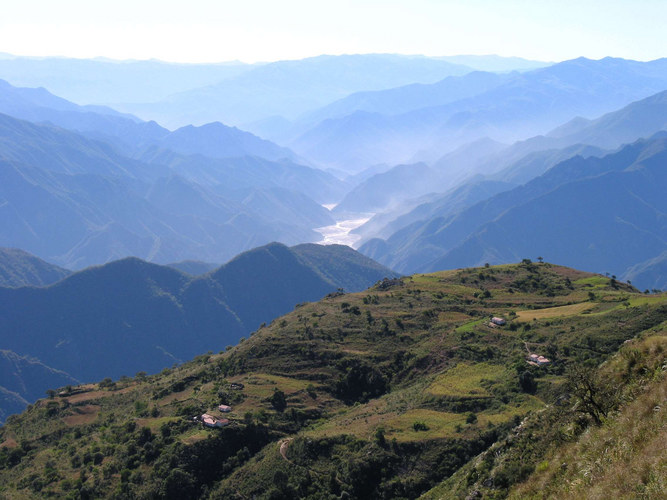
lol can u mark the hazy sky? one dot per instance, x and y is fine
(266, 30)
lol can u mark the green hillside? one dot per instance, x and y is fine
(556, 453)
(379, 394)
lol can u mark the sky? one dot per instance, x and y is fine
(198, 31)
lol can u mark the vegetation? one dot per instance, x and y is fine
(592, 443)
(417, 393)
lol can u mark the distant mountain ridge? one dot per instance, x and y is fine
(565, 213)
(131, 135)
(19, 268)
(78, 201)
(24, 380)
(290, 88)
(526, 104)
(130, 315)
(110, 81)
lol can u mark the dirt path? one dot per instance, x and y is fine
(283, 449)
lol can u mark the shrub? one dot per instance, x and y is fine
(420, 426)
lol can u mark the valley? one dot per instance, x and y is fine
(341, 233)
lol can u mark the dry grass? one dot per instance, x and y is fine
(197, 435)
(465, 380)
(360, 420)
(624, 458)
(183, 395)
(82, 415)
(554, 312)
(90, 395)
(593, 281)
(440, 425)
(262, 385)
(154, 424)
(471, 325)
(9, 443)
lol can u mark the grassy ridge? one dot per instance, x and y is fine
(383, 393)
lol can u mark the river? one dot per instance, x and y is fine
(339, 233)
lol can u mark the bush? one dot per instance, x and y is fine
(420, 426)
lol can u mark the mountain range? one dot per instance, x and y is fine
(266, 366)
(516, 107)
(287, 89)
(130, 315)
(131, 135)
(113, 200)
(99, 80)
(563, 213)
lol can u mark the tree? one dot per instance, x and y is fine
(278, 400)
(107, 383)
(527, 382)
(379, 436)
(540, 259)
(594, 394)
(179, 485)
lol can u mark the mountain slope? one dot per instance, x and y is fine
(382, 191)
(435, 205)
(401, 100)
(131, 315)
(529, 103)
(650, 274)
(642, 118)
(78, 201)
(131, 135)
(575, 224)
(557, 453)
(27, 379)
(19, 268)
(194, 267)
(380, 394)
(553, 214)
